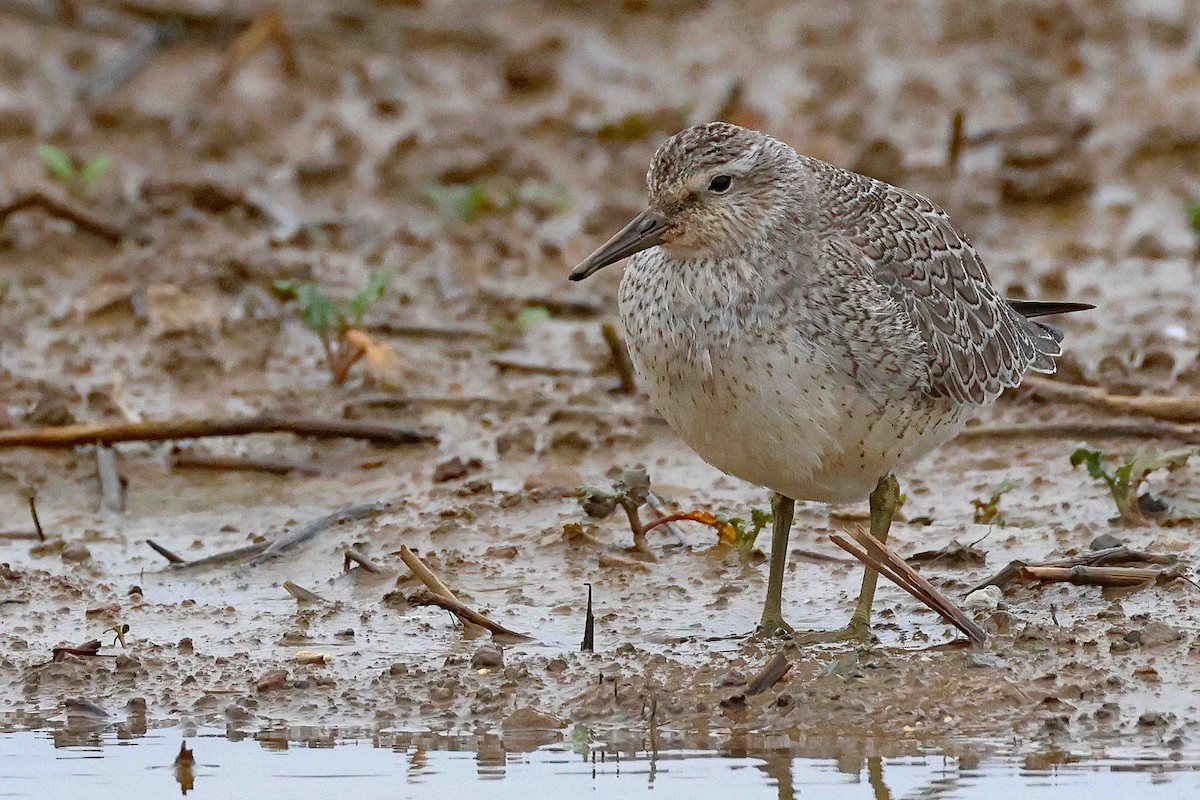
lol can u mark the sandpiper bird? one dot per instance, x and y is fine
(809, 329)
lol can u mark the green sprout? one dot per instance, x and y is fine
(1125, 481)
(470, 201)
(987, 512)
(1194, 216)
(78, 177)
(334, 320)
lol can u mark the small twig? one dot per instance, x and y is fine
(303, 595)
(417, 331)
(589, 626)
(112, 490)
(620, 358)
(434, 584)
(235, 556)
(957, 139)
(1115, 429)
(1086, 569)
(165, 430)
(89, 649)
(207, 461)
(171, 557)
(1099, 576)
(878, 556)
(65, 209)
(1171, 409)
(352, 555)
(770, 675)
(302, 535)
(427, 598)
(267, 28)
(37, 523)
(514, 365)
(659, 507)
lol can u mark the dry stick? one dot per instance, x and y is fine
(531, 368)
(1171, 409)
(770, 675)
(64, 209)
(171, 557)
(302, 535)
(418, 331)
(237, 464)
(112, 493)
(1117, 429)
(235, 556)
(588, 645)
(898, 571)
(955, 146)
(427, 598)
(1107, 556)
(303, 595)
(165, 430)
(434, 584)
(267, 28)
(620, 358)
(352, 555)
(1098, 576)
(37, 523)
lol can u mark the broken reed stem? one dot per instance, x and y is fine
(466, 615)
(1114, 429)
(64, 208)
(435, 585)
(620, 358)
(236, 464)
(769, 675)
(301, 535)
(37, 523)
(1093, 576)
(171, 557)
(352, 555)
(589, 626)
(303, 595)
(1170, 409)
(878, 556)
(165, 430)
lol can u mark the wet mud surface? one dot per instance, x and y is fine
(1078, 156)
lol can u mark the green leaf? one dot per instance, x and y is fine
(1194, 216)
(285, 288)
(466, 202)
(366, 297)
(93, 171)
(532, 316)
(1093, 458)
(57, 162)
(319, 312)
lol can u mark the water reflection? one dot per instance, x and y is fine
(53, 758)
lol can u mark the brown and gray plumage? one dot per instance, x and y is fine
(807, 328)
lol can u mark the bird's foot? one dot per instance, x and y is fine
(772, 625)
(854, 632)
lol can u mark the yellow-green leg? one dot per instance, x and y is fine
(772, 623)
(884, 502)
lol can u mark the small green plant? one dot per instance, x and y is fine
(78, 177)
(1125, 481)
(1194, 216)
(987, 512)
(470, 201)
(334, 320)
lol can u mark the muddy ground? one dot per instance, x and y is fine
(1078, 157)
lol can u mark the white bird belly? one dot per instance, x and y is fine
(781, 416)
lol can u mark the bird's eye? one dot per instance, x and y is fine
(720, 184)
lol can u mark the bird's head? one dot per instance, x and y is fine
(715, 189)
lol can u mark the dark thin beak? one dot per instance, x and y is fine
(644, 232)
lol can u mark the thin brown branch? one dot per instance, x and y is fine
(770, 675)
(1171, 409)
(266, 29)
(37, 523)
(171, 557)
(426, 597)
(505, 364)
(1104, 429)
(351, 555)
(434, 584)
(303, 595)
(883, 560)
(165, 430)
(184, 460)
(64, 208)
(620, 358)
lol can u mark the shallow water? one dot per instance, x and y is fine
(61, 763)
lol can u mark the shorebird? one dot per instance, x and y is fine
(809, 329)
